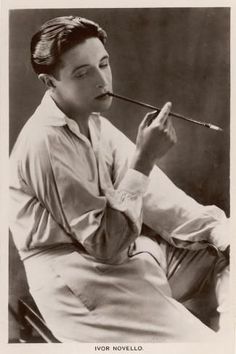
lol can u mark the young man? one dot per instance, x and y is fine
(80, 193)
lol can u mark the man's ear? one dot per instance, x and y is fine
(48, 80)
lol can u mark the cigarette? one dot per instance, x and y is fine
(176, 115)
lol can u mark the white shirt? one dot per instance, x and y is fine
(64, 189)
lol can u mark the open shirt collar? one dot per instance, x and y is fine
(49, 114)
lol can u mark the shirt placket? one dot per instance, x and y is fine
(105, 182)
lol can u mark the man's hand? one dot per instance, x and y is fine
(156, 135)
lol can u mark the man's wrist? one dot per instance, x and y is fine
(141, 164)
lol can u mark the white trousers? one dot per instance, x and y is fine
(143, 299)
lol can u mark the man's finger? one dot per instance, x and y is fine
(167, 124)
(173, 135)
(163, 115)
(147, 120)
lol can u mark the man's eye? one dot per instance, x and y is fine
(81, 74)
(104, 64)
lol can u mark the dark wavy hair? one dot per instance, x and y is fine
(57, 36)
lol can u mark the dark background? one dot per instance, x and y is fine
(157, 55)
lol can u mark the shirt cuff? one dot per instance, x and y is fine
(134, 182)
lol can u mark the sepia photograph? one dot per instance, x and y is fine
(119, 177)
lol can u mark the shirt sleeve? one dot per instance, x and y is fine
(180, 219)
(104, 224)
(121, 220)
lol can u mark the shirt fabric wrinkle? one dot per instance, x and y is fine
(79, 187)
(61, 186)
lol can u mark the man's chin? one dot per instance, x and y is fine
(103, 105)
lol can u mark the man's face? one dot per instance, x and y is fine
(84, 75)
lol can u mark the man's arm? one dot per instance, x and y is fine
(167, 209)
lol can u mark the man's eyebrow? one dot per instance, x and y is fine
(106, 56)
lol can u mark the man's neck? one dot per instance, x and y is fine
(84, 128)
(80, 119)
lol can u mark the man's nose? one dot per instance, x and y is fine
(101, 80)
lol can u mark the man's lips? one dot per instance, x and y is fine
(103, 95)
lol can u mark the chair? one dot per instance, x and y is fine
(32, 326)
